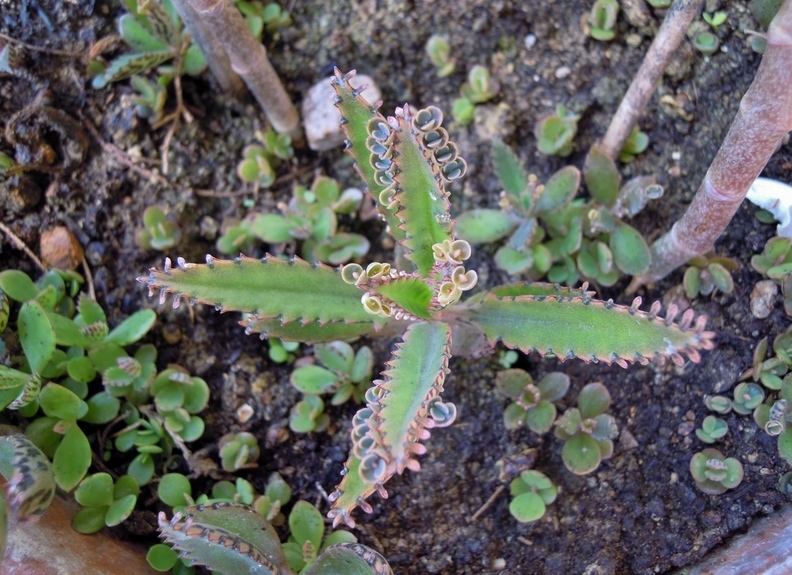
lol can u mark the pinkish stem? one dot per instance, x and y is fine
(764, 118)
(666, 42)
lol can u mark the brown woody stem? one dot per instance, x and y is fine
(764, 118)
(248, 58)
(666, 42)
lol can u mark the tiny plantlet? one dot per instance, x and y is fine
(706, 274)
(407, 161)
(532, 404)
(532, 492)
(439, 51)
(158, 232)
(715, 474)
(712, 429)
(478, 89)
(602, 19)
(554, 133)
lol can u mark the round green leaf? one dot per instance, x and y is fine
(132, 328)
(196, 396)
(120, 510)
(272, 228)
(170, 396)
(172, 489)
(35, 335)
(102, 408)
(95, 490)
(540, 418)
(81, 369)
(313, 379)
(17, 285)
(89, 520)
(630, 251)
(194, 62)
(193, 429)
(513, 261)
(142, 468)
(785, 445)
(58, 401)
(72, 458)
(306, 524)
(581, 454)
(483, 225)
(527, 507)
(161, 557)
(125, 485)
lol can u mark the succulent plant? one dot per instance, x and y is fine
(706, 274)
(345, 374)
(747, 396)
(105, 501)
(715, 474)
(602, 19)
(158, 232)
(439, 51)
(712, 429)
(406, 161)
(478, 89)
(554, 133)
(230, 539)
(636, 143)
(532, 492)
(587, 430)
(238, 451)
(533, 404)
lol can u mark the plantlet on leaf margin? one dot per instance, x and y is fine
(406, 161)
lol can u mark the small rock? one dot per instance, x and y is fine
(60, 249)
(763, 298)
(562, 72)
(322, 119)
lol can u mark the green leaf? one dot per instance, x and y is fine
(194, 62)
(349, 559)
(161, 557)
(72, 458)
(306, 524)
(581, 327)
(581, 454)
(95, 490)
(81, 369)
(102, 408)
(411, 294)
(142, 468)
(481, 225)
(89, 520)
(120, 510)
(270, 288)
(196, 396)
(527, 507)
(272, 228)
(58, 401)
(508, 169)
(174, 489)
(129, 65)
(313, 379)
(602, 177)
(35, 335)
(338, 356)
(631, 253)
(559, 191)
(513, 261)
(17, 285)
(137, 36)
(132, 328)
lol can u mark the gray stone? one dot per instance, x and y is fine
(322, 119)
(763, 298)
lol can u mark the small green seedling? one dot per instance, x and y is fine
(260, 160)
(158, 232)
(478, 89)
(660, 3)
(154, 32)
(308, 415)
(715, 19)
(439, 51)
(587, 430)
(712, 429)
(277, 493)
(706, 42)
(259, 16)
(230, 539)
(345, 374)
(706, 274)
(554, 133)
(532, 492)
(307, 539)
(104, 501)
(718, 403)
(715, 474)
(747, 397)
(533, 404)
(238, 451)
(282, 351)
(149, 98)
(602, 20)
(636, 144)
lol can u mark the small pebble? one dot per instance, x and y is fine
(563, 72)
(60, 249)
(763, 298)
(244, 412)
(530, 41)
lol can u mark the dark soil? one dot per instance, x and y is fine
(640, 512)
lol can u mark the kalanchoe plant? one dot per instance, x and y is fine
(554, 133)
(715, 474)
(158, 232)
(712, 429)
(636, 143)
(230, 539)
(602, 19)
(478, 89)
(406, 161)
(439, 51)
(587, 430)
(260, 160)
(154, 31)
(104, 501)
(238, 451)
(533, 403)
(707, 274)
(533, 492)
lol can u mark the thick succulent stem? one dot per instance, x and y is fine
(669, 36)
(248, 58)
(216, 57)
(764, 118)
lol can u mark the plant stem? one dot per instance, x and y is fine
(666, 42)
(248, 58)
(216, 57)
(763, 119)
